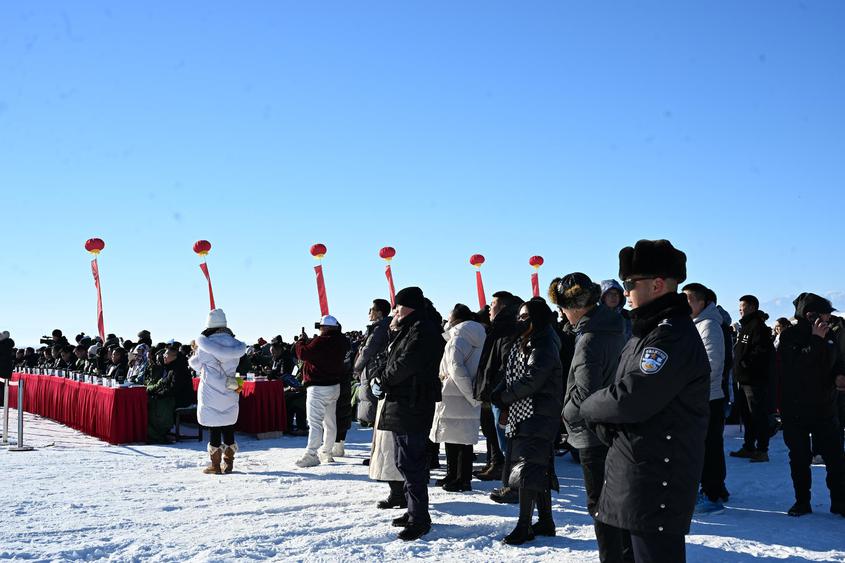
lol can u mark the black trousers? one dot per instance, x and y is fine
(226, 432)
(295, 406)
(658, 548)
(755, 417)
(488, 428)
(827, 442)
(614, 544)
(840, 402)
(411, 458)
(713, 474)
(459, 463)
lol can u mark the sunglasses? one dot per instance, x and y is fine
(631, 283)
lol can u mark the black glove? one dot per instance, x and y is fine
(496, 399)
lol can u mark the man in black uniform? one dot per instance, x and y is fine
(810, 365)
(411, 386)
(654, 416)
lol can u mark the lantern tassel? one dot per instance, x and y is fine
(204, 268)
(535, 284)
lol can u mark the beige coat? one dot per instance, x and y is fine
(382, 460)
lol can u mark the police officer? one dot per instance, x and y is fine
(654, 416)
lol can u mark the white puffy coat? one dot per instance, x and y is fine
(709, 326)
(216, 355)
(457, 416)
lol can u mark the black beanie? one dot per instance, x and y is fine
(656, 258)
(574, 291)
(411, 297)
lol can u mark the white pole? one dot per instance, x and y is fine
(20, 447)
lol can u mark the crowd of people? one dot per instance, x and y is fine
(638, 396)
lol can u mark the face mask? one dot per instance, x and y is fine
(522, 327)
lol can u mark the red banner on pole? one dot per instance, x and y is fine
(321, 290)
(482, 300)
(95, 269)
(389, 274)
(204, 268)
(535, 284)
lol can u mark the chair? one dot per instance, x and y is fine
(189, 412)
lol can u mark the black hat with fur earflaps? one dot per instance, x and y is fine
(653, 258)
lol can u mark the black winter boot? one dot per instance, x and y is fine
(545, 525)
(396, 498)
(523, 532)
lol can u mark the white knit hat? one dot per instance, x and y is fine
(216, 319)
(329, 320)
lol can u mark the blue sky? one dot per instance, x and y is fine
(565, 129)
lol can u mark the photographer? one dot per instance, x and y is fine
(322, 371)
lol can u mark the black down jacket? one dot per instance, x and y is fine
(411, 380)
(654, 418)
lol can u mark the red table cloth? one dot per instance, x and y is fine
(116, 415)
(261, 407)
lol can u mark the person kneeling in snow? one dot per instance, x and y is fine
(322, 371)
(215, 359)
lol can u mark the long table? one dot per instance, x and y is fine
(261, 407)
(116, 415)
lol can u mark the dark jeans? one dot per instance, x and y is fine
(755, 417)
(411, 458)
(713, 473)
(827, 443)
(226, 432)
(488, 428)
(295, 406)
(658, 548)
(614, 544)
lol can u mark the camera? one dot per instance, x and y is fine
(46, 340)
(317, 325)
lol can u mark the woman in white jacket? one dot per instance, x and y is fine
(457, 416)
(215, 358)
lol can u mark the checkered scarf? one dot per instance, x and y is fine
(516, 368)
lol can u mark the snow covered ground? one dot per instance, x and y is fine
(76, 498)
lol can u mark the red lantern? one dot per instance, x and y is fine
(202, 247)
(388, 252)
(536, 261)
(318, 251)
(476, 260)
(94, 245)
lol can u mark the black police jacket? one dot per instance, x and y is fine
(654, 418)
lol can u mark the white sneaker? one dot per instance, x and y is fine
(308, 460)
(326, 457)
(337, 449)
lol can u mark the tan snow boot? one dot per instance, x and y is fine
(229, 457)
(214, 467)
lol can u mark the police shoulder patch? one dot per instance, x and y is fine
(653, 360)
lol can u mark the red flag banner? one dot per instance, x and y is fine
(389, 274)
(535, 284)
(100, 325)
(321, 291)
(204, 268)
(479, 285)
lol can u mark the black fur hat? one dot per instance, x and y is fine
(656, 258)
(574, 291)
(811, 303)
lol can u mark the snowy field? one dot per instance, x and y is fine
(76, 498)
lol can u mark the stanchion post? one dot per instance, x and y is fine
(20, 447)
